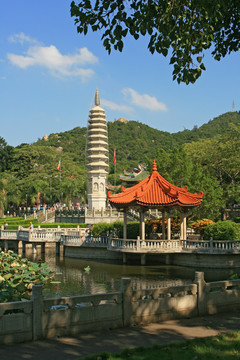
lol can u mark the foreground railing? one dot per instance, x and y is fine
(41, 318)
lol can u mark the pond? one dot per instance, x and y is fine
(77, 277)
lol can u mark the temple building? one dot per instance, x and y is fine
(97, 156)
(132, 178)
(155, 192)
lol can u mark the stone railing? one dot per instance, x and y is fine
(42, 235)
(67, 237)
(81, 237)
(88, 216)
(23, 235)
(88, 241)
(8, 234)
(41, 318)
(148, 245)
(212, 246)
(138, 245)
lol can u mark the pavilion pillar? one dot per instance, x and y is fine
(163, 225)
(125, 224)
(142, 225)
(181, 226)
(185, 227)
(169, 226)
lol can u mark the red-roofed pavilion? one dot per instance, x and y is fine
(155, 192)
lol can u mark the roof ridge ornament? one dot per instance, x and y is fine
(97, 98)
(154, 166)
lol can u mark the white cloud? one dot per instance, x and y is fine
(49, 57)
(22, 38)
(144, 101)
(113, 106)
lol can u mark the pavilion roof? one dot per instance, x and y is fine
(155, 191)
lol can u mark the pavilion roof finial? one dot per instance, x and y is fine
(154, 166)
(97, 98)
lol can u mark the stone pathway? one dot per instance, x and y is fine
(116, 340)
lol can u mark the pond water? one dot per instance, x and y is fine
(77, 277)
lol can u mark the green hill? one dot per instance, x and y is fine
(136, 142)
(29, 171)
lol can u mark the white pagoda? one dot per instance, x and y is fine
(97, 156)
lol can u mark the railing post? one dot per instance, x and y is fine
(127, 293)
(201, 298)
(138, 242)
(211, 245)
(37, 311)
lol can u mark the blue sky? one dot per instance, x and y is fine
(49, 73)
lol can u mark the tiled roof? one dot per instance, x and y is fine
(155, 191)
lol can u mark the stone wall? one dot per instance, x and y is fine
(214, 261)
(91, 253)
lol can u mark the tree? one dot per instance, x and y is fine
(11, 186)
(186, 28)
(3, 196)
(180, 169)
(6, 153)
(219, 156)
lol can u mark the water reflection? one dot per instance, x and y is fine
(72, 279)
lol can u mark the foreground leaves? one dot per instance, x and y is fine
(185, 29)
(19, 275)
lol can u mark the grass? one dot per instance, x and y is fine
(225, 347)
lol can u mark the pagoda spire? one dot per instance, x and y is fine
(97, 98)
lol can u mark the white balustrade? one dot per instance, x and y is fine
(79, 237)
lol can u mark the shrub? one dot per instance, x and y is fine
(19, 275)
(11, 219)
(62, 225)
(116, 229)
(200, 225)
(157, 225)
(132, 230)
(101, 228)
(222, 230)
(14, 223)
(237, 219)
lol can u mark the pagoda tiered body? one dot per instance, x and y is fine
(97, 156)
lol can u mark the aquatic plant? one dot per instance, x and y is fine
(18, 275)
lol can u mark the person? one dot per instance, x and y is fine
(5, 225)
(31, 226)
